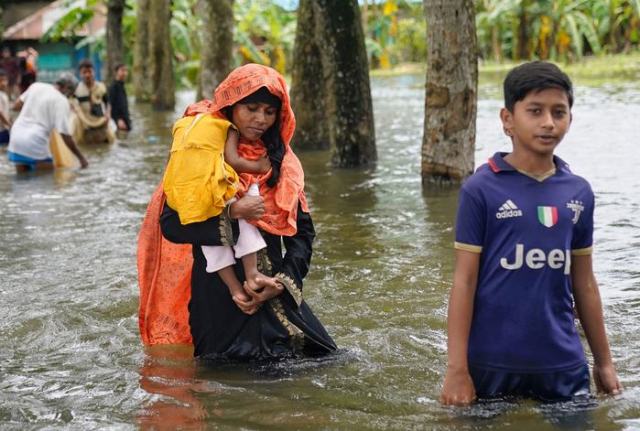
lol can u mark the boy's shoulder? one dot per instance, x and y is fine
(577, 182)
(479, 179)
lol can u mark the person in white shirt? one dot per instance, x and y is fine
(43, 107)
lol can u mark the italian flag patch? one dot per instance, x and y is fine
(548, 216)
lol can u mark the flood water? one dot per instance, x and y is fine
(71, 357)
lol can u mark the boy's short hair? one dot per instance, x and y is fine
(118, 66)
(534, 76)
(3, 73)
(85, 63)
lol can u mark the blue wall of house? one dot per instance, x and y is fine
(57, 57)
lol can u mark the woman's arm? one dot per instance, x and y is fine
(589, 306)
(458, 388)
(298, 256)
(214, 231)
(219, 230)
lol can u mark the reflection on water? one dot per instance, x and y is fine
(169, 372)
(71, 355)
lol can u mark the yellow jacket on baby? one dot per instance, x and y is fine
(197, 181)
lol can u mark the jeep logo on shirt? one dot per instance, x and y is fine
(536, 259)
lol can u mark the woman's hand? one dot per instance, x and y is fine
(248, 307)
(267, 288)
(248, 207)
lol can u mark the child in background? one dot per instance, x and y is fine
(5, 115)
(523, 245)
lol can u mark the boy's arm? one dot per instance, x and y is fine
(238, 163)
(589, 306)
(457, 388)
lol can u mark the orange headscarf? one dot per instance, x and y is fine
(164, 268)
(281, 201)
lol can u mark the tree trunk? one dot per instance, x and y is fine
(217, 44)
(140, 72)
(496, 43)
(522, 52)
(451, 91)
(161, 56)
(348, 107)
(114, 36)
(307, 85)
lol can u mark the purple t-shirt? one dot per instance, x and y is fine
(526, 231)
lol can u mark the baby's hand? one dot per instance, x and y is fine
(264, 164)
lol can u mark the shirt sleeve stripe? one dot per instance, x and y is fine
(467, 247)
(582, 251)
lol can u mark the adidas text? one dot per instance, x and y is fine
(509, 214)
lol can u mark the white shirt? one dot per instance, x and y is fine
(44, 109)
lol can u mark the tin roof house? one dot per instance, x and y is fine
(54, 57)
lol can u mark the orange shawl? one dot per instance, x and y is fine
(164, 268)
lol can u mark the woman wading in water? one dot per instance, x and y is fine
(180, 302)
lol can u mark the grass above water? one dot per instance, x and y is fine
(590, 71)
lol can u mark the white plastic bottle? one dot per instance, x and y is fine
(253, 190)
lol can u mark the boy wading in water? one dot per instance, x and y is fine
(524, 234)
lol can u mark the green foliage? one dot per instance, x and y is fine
(265, 33)
(556, 29)
(395, 30)
(79, 14)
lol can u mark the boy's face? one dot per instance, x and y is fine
(121, 73)
(86, 73)
(4, 83)
(539, 121)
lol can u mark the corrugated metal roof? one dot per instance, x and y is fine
(36, 25)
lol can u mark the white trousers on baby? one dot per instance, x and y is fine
(249, 241)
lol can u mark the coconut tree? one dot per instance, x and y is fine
(451, 91)
(217, 43)
(307, 85)
(346, 92)
(160, 58)
(115, 11)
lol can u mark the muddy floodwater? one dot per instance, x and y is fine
(71, 357)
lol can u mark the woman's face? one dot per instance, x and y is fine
(253, 119)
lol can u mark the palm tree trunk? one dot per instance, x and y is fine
(161, 56)
(495, 43)
(307, 85)
(217, 44)
(140, 75)
(114, 36)
(451, 91)
(348, 106)
(522, 52)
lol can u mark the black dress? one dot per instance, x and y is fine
(119, 103)
(284, 326)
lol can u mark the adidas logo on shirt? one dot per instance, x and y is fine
(508, 210)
